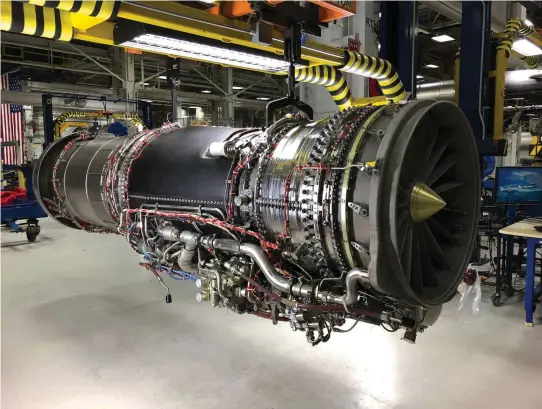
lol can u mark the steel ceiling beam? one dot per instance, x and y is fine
(84, 54)
(209, 80)
(52, 66)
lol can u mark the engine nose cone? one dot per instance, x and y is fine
(424, 202)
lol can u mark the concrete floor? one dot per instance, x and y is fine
(83, 326)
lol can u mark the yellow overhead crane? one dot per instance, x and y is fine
(91, 21)
(94, 26)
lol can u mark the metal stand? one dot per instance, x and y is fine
(292, 53)
(173, 68)
(174, 110)
(504, 270)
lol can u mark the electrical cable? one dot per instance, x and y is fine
(391, 329)
(349, 329)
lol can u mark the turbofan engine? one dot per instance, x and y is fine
(368, 215)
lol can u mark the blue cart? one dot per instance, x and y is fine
(28, 210)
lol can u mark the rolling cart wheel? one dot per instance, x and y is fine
(32, 231)
(496, 300)
(510, 291)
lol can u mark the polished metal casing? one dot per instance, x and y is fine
(331, 195)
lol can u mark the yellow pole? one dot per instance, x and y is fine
(498, 108)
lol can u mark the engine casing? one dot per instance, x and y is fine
(388, 193)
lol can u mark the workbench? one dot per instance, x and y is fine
(525, 229)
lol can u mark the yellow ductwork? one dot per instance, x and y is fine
(101, 9)
(329, 77)
(25, 18)
(372, 67)
(381, 70)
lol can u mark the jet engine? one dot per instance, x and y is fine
(369, 215)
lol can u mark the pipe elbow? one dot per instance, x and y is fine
(353, 277)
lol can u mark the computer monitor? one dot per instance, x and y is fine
(516, 185)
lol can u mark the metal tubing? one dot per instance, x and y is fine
(229, 245)
(258, 255)
(304, 290)
(184, 260)
(352, 278)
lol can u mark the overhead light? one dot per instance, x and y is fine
(237, 87)
(526, 47)
(163, 41)
(194, 107)
(263, 98)
(205, 91)
(443, 38)
(431, 66)
(162, 77)
(144, 83)
(529, 23)
(420, 77)
(207, 1)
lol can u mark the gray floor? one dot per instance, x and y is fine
(83, 326)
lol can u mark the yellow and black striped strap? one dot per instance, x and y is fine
(25, 18)
(104, 10)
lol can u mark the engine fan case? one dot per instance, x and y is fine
(425, 142)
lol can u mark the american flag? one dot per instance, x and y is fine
(12, 122)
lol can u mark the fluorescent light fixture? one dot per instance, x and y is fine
(162, 77)
(205, 91)
(207, 1)
(420, 77)
(529, 23)
(237, 87)
(431, 66)
(263, 98)
(197, 50)
(443, 38)
(144, 83)
(194, 107)
(526, 48)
